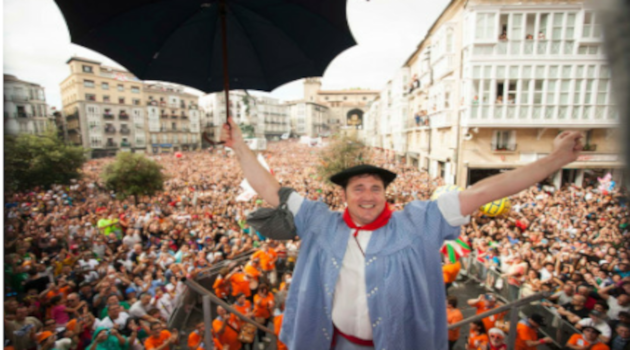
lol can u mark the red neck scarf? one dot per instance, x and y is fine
(379, 222)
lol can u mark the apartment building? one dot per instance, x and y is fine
(493, 83)
(25, 109)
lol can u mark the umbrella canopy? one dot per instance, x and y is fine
(269, 42)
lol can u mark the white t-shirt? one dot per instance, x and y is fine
(107, 321)
(350, 313)
(615, 308)
(137, 310)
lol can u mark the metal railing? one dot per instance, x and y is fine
(556, 328)
(512, 307)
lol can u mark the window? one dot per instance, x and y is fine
(121, 87)
(164, 138)
(602, 91)
(538, 91)
(556, 33)
(516, 30)
(564, 91)
(569, 33)
(175, 138)
(577, 91)
(154, 138)
(542, 27)
(524, 92)
(136, 102)
(105, 86)
(447, 100)
(90, 97)
(551, 91)
(484, 27)
(88, 83)
(106, 98)
(88, 69)
(121, 100)
(449, 42)
(504, 140)
(135, 89)
(174, 125)
(591, 28)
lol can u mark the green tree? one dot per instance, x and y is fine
(133, 174)
(40, 160)
(247, 130)
(343, 152)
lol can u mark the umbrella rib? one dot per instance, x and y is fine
(262, 67)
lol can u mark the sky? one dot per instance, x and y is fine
(37, 44)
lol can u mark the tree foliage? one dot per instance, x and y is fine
(247, 130)
(343, 152)
(40, 160)
(133, 174)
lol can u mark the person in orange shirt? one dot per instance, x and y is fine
(221, 285)
(243, 305)
(453, 315)
(496, 340)
(267, 257)
(477, 336)
(527, 333)
(253, 272)
(588, 340)
(486, 302)
(263, 306)
(160, 338)
(450, 272)
(195, 338)
(226, 329)
(239, 282)
(277, 326)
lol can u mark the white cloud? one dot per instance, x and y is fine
(37, 44)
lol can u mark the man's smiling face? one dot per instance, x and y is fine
(365, 195)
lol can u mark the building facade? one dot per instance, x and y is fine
(173, 118)
(494, 82)
(25, 109)
(109, 110)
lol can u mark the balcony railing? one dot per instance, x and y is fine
(184, 116)
(22, 115)
(542, 47)
(164, 116)
(174, 116)
(123, 116)
(110, 145)
(125, 144)
(108, 116)
(125, 131)
(152, 103)
(110, 130)
(541, 114)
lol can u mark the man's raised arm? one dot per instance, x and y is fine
(258, 177)
(566, 149)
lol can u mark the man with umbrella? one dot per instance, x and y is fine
(370, 278)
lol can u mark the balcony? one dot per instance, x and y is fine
(193, 107)
(442, 119)
(108, 116)
(184, 116)
(174, 116)
(139, 126)
(152, 103)
(123, 116)
(22, 115)
(125, 131)
(20, 98)
(110, 145)
(529, 115)
(541, 47)
(125, 144)
(110, 130)
(164, 116)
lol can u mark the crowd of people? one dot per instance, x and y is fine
(86, 269)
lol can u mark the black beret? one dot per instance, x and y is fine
(342, 177)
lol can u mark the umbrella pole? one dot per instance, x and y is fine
(226, 79)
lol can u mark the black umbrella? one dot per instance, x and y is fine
(213, 45)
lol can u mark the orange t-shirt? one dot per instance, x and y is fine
(220, 287)
(243, 308)
(450, 271)
(578, 339)
(252, 272)
(152, 343)
(230, 333)
(489, 321)
(523, 333)
(277, 325)
(63, 291)
(240, 284)
(194, 339)
(453, 316)
(476, 340)
(266, 259)
(261, 305)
